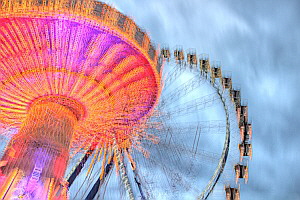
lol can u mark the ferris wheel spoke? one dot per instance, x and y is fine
(176, 87)
(171, 76)
(96, 187)
(137, 180)
(81, 192)
(182, 90)
(176, 177)
(189, 107)
(210, 158)
(181, 151)
(79, 166)
(176, 152)
(174, 134)
(87, 177)
(205, 127)
(178, 71)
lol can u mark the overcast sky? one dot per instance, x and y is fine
(259, 41)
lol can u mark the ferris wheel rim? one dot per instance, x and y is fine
(222, 161)
(223, 158)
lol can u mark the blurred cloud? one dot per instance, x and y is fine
(259, 42)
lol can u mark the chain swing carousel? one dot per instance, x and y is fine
(71, 77)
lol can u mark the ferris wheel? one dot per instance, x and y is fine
(89, 109)
(203, 139)
(204, 121)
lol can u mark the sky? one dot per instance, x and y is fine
(258, 41)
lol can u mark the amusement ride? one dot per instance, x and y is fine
(91, 109)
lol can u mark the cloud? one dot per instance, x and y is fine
(259, 42)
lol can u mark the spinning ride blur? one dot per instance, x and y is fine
(72, 75)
